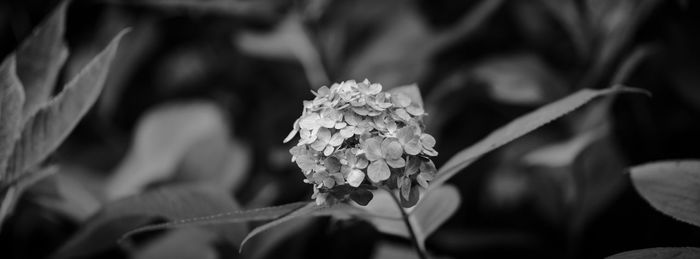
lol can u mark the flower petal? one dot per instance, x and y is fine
(340, 125)
(307, 136)
(361, 163)
(423, 179)
(415, 109)
(402, 114)
(400, 99)
(310, 121)
(391, 148)
(378, 171)
(352, 118)
(347, 132)
(336, 140)
(328, 151)
(413, 147)
(332, 164)
(293, 133)
(427, 140)
(355, 178)
(324, 135)
(323, 91)
(374, 88)
(318, 145)
(360, 110)
(372, 148)
(396, 162)
(430, 152)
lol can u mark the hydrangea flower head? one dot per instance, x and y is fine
(353, 137)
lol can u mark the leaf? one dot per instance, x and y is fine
(428, 215)
(435, 209)
(403, 43)
(173, 203)
(671, 187)
(563, 153)
(11, 191)
(386, 250)
(289, 40)
(262, 9)
(598, 180)
(659, 253)
(306, 210)
(70, 193)
(522, 79)
(40, 58)
(409, 196)
(183, 244)
(234, 216)
(518, 128)
(186, 140)
(50, 125)
(11, 100)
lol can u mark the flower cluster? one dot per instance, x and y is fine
(354, 137)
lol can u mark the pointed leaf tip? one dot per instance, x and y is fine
(519, 127)
(46, 129)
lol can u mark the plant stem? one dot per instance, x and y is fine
(411, 232)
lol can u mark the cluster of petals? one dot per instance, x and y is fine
(353, 135)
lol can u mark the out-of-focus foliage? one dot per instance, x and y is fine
(199, 95)
(35, 123)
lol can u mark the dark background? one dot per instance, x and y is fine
(479, 64)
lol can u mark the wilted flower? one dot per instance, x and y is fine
(354, 137)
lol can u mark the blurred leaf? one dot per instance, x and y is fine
(40, 58)
(288, 40)
(278, 214)
(614, 23)
(182, 243)
(255, 9)
(659, 253)
(233, 216)
(563, 153)
(307, 209)
(172, 203)
(520, 79)
(432, 210)
(192, 137)
(11, 100)
(519, 127)
(386, 250)
(401, 51)
(70, 196)
(268, 241)
(50, 125)
(598, 178)
(11, 191)
(570, 17)
(216, 158)
(671, 187)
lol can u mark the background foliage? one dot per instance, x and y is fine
(200, 94)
